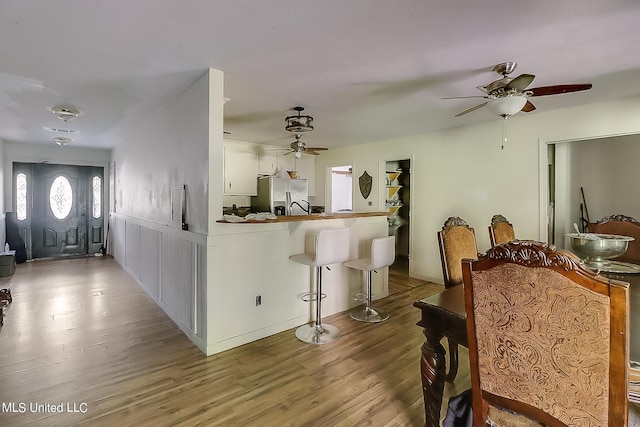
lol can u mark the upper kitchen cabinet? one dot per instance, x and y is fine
(306, 165)
(268, 162)
(241, 165)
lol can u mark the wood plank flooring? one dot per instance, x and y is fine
(81, 336)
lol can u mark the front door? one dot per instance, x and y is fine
(60, 213)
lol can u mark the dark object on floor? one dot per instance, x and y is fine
(15, 241)
(5, 295)
(459, 412)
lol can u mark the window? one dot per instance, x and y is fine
(60, 197)
(97, 197)
(21, 197)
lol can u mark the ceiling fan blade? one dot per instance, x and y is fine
(558, 89)
(528, 107)
(520, 83)
(317, 148)
(311, 152)
(472, 109)
(464, 97)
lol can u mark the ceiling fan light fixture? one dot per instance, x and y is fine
(65, 113)
(62, 141)
(506, 106)
(299, 123)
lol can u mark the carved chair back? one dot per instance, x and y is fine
(456, 241)
(624, 226)
(548, 339)
(500, 230)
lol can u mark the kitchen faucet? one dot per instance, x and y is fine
(307, 210)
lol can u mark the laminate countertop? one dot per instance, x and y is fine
(312, 217)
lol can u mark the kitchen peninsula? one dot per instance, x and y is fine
(258, 288)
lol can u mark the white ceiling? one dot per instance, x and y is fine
(366, 70)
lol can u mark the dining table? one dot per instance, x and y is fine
(443, 316)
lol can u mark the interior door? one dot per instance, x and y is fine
(63, 213)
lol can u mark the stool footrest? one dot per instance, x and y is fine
(362, 296)
(312, 296)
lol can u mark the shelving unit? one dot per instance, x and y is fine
(397, 203)
(393, 202)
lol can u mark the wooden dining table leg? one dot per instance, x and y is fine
(433, 373)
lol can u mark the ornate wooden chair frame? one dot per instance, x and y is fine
(452, 274)
(500, 230)
(622, 225)
(544, 385)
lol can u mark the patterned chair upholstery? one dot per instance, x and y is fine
(548, 339)
(624, 226)
(456, 241)
(500, 230)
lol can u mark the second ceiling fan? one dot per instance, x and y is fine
(507, 96)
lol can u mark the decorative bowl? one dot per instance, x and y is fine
(596, 249)
(293, 174)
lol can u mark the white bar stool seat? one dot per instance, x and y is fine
(383, 254)
(331, 247)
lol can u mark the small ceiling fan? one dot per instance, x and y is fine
(298, 147)
(507, 96)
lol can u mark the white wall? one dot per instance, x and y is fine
(168, 148)
(463, 172)
(608, 170)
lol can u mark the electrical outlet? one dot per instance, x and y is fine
(258, 300)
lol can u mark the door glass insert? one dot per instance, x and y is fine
(21, 197)
(97, 196)
(60, 197)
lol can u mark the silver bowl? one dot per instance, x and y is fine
(596, 249)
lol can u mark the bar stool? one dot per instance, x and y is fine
(331, 247)
(383, 253)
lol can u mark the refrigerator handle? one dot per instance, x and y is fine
(287, 203)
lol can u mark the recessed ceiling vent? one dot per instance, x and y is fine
(60, 130)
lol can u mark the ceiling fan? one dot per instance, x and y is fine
(298, 147)
(507, 96)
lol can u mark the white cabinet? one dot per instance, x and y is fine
(268, 162)
(287, 162)
(241, 165)
(307, 170)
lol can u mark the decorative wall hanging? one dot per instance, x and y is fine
(365, 182)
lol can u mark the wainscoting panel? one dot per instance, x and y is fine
(170, 265)
(149, 255)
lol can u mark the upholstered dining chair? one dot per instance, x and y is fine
(456, 241)
(500, 230)
(548, 339)
(624, 226)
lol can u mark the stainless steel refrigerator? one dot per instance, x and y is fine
(281, 196)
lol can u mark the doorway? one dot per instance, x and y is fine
(342, 188)
(59, 209)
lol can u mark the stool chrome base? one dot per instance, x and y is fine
(317, 334)
(368, 314)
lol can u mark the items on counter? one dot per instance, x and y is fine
(260, 216)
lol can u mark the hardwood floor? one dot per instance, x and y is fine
(81, 336)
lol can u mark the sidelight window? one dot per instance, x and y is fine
(21, 197)
(60, 197)
(97, 196)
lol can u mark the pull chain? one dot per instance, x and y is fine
(504, 132)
